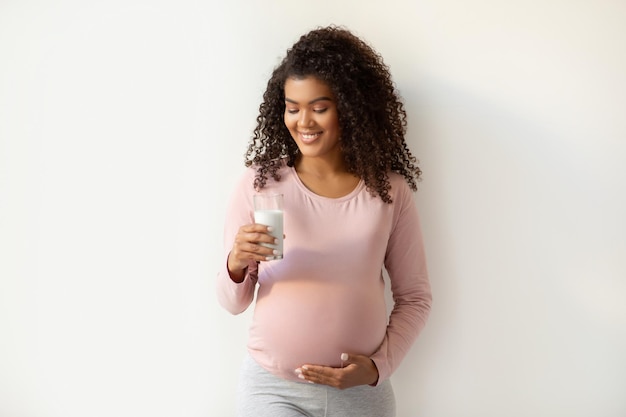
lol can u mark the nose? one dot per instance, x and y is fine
(305, 119)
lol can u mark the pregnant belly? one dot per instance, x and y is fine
(307, 323)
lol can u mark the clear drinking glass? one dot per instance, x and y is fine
(268, 210)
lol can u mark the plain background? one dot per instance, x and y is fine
(122, 130)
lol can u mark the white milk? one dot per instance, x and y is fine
(274, 219)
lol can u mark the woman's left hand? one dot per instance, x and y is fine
(357, 370)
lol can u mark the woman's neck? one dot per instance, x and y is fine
(321, 167)
(325, 177)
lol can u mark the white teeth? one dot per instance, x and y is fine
(310, 136)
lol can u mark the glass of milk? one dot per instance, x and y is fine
(268, 210)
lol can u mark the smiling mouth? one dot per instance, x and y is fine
(309, 137)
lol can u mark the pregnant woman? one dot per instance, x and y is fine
(330, 138)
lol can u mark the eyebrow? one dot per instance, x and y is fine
(323, 98)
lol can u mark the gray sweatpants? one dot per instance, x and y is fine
(262, 394)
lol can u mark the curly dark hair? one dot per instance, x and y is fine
(371, 114)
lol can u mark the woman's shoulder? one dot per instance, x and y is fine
(398, 182)
(400, 191)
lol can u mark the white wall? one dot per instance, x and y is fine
(122, 130)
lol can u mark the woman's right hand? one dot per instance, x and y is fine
(247, 248)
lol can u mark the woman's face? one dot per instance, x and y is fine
(311, 117)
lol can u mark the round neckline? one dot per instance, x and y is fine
(341, 199)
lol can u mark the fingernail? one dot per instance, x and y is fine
(275, 241)
(298, 371)
(305, 368)
(300, 376)
(344, 356)
(275, 252)
(270, 229)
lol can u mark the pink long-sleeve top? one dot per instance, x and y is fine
(326, 296)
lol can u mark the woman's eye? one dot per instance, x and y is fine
(320, 110)
(292, 111)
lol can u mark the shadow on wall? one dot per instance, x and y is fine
(518, 256)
